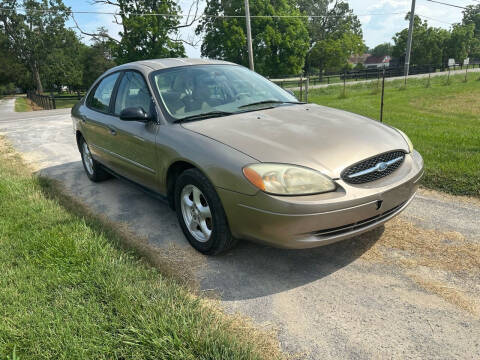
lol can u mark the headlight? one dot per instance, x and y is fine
(282, 179)
(410, 145)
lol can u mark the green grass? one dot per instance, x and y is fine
(70, 291)
(21, 104)
(65, 103)
(442, 120)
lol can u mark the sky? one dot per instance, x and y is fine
(380, 19)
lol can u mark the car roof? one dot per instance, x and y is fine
(158, 64)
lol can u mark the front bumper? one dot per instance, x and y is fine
(315, 220)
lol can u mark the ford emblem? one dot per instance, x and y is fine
(381, 166)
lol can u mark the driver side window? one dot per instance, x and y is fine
(133, 92)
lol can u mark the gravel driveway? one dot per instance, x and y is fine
(409, 289)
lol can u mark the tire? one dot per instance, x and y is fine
(94, 170)
(196, 200)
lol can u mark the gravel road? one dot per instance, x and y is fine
(409, 289)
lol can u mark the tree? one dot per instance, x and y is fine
(279, 43)
(96, 59)
(471, 16)
(32, 35)
(335, 31)
(459, 45)
(429, 44)
(145, 36)
(382, 49)
(11, 71)
(63, 65)
(333, 53)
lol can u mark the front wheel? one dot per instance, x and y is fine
(201, 215)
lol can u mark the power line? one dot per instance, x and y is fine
(447, 4)
(71, 12)
(433, 19)
(190, 15)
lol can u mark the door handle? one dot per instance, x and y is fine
(84, 118)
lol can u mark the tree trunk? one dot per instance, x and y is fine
(36, 78)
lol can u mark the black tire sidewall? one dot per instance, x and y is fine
(98, 173)
(220, 239)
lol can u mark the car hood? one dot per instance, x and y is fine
(318, 137)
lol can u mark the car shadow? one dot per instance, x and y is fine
(248, 271)
(251, 270)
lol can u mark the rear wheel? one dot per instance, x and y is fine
(94, 170)
(200, 214)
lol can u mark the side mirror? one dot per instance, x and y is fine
(134, 114)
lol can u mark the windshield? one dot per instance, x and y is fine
(217, 90)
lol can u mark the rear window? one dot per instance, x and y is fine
(99, 98)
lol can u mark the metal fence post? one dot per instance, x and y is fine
(383, 91)
(301, 87)
(307, 80)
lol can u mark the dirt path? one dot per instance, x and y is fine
(410, 289)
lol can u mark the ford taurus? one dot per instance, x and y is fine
(238, 157)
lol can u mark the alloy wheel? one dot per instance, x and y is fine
(196, 213)
(87, 158)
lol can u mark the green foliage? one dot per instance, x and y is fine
(332, 53)
(359, 66)
(96, 59)
(33, 35)
(460, 42)
(435, 45)
(471, 16)
(335, 37)
(279, 44)
(11, 71)
(63, 65)
(428, 46)
(7, 89)
(147, 37)
(382, 49)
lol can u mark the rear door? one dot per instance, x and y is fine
(96, 117)
(134, 141)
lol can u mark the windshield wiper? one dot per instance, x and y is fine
(270, 102)
(206, 115)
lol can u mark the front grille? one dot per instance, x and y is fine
(353, 174)
(358, 225)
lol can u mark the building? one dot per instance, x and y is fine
(377, 61)
(358, 59)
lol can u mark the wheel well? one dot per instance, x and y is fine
(173, 172)
(78, 136)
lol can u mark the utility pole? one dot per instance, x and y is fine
(249, 36)
(409, 40)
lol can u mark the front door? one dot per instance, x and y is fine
(133, 142)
